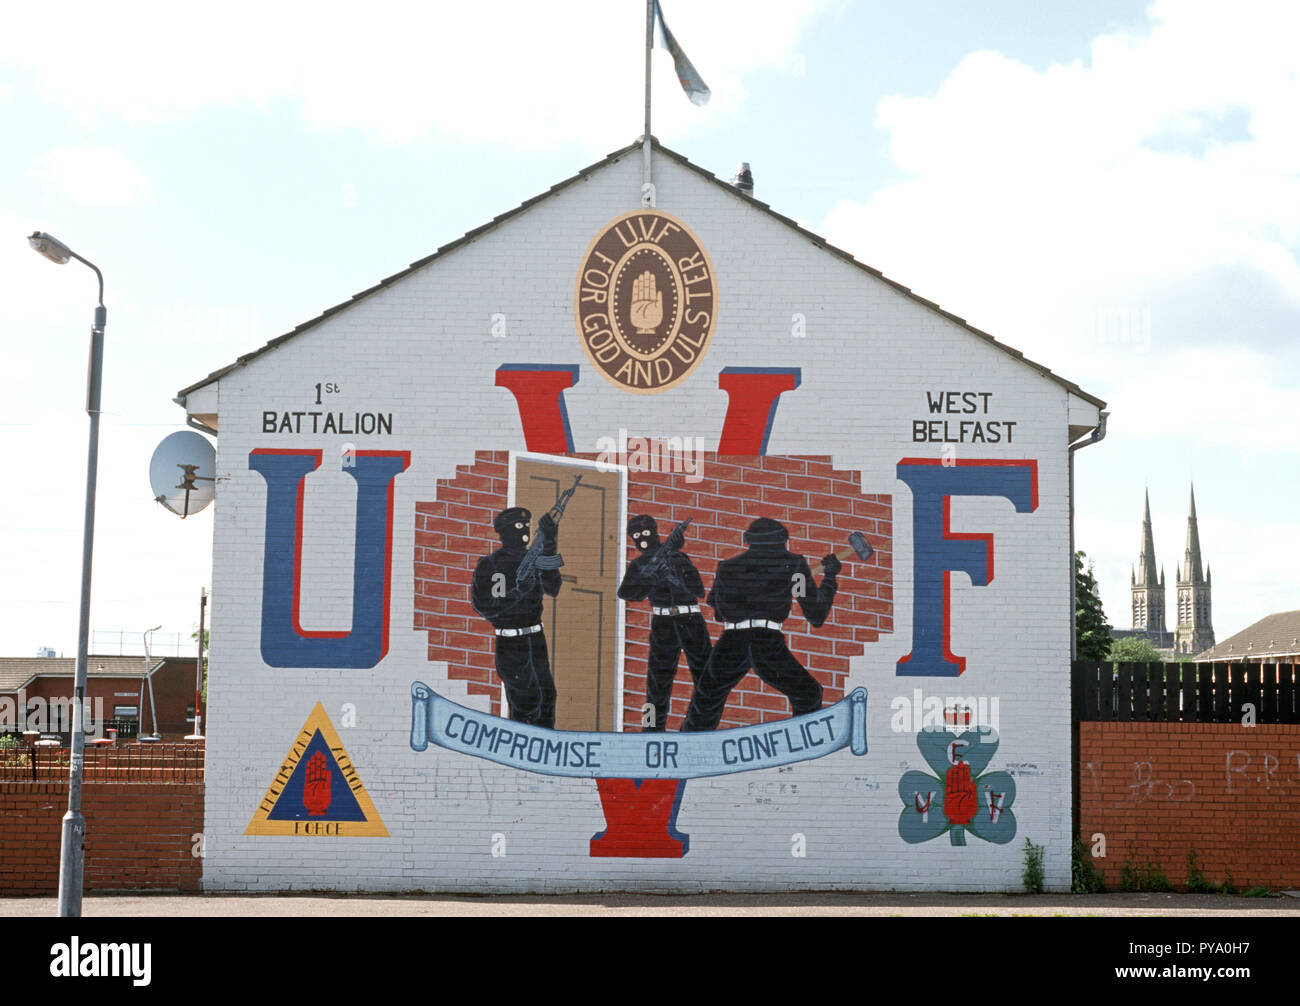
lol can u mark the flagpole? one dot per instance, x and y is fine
(645, 140)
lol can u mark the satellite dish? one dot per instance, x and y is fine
(183, 472)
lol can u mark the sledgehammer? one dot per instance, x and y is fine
(858, 545)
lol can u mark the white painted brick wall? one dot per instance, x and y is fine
(423, 351)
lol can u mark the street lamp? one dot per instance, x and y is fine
(72, 845)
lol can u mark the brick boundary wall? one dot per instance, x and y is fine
(1159, 790)
(819, 505)
(139, 836)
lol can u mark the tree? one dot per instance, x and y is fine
(1134, 649)
(1091, 630)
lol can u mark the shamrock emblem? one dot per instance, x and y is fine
(960, 796)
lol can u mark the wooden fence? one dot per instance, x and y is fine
(1185, 693)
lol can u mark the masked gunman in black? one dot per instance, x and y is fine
(515, 611)
(672, 584)
(751, 596)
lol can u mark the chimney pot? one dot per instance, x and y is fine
(744, 179)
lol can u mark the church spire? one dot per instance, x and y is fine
(1146, 574)
(1192, 556)
(1195, 633)
(1148, 591)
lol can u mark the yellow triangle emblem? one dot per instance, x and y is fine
(317, 790)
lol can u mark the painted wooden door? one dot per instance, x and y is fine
(581, 623)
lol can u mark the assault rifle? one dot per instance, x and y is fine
(661, 563)
(533, 559)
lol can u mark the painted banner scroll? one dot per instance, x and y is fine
(603, 755)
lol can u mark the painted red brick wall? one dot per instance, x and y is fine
(451, 534)
(1159, 790)
(818, 504)
(139, 836)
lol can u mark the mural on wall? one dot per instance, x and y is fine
(566, 616)
(821, 507)
(317, 790)
(641, 776)
(960, 796)
(575, 651)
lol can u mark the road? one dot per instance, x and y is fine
(702, 905)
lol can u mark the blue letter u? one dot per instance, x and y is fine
(284, 642)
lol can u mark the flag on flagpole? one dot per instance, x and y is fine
(689, 77)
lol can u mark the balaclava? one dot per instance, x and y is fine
(513, 538)
(767, 535)
(644, 533)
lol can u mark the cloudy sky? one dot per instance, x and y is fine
(1112, 187)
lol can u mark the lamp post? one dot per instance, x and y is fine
(198, 672)
(73, 840)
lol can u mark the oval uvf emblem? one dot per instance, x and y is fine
(646, 301)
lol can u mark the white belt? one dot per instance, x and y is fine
(527, 630)
(679, 609)
(752, 623)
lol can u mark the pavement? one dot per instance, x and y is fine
(830, 903)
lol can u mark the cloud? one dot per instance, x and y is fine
(1257, 417)
(1042, 205)
(93, 176)
(525, 74)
